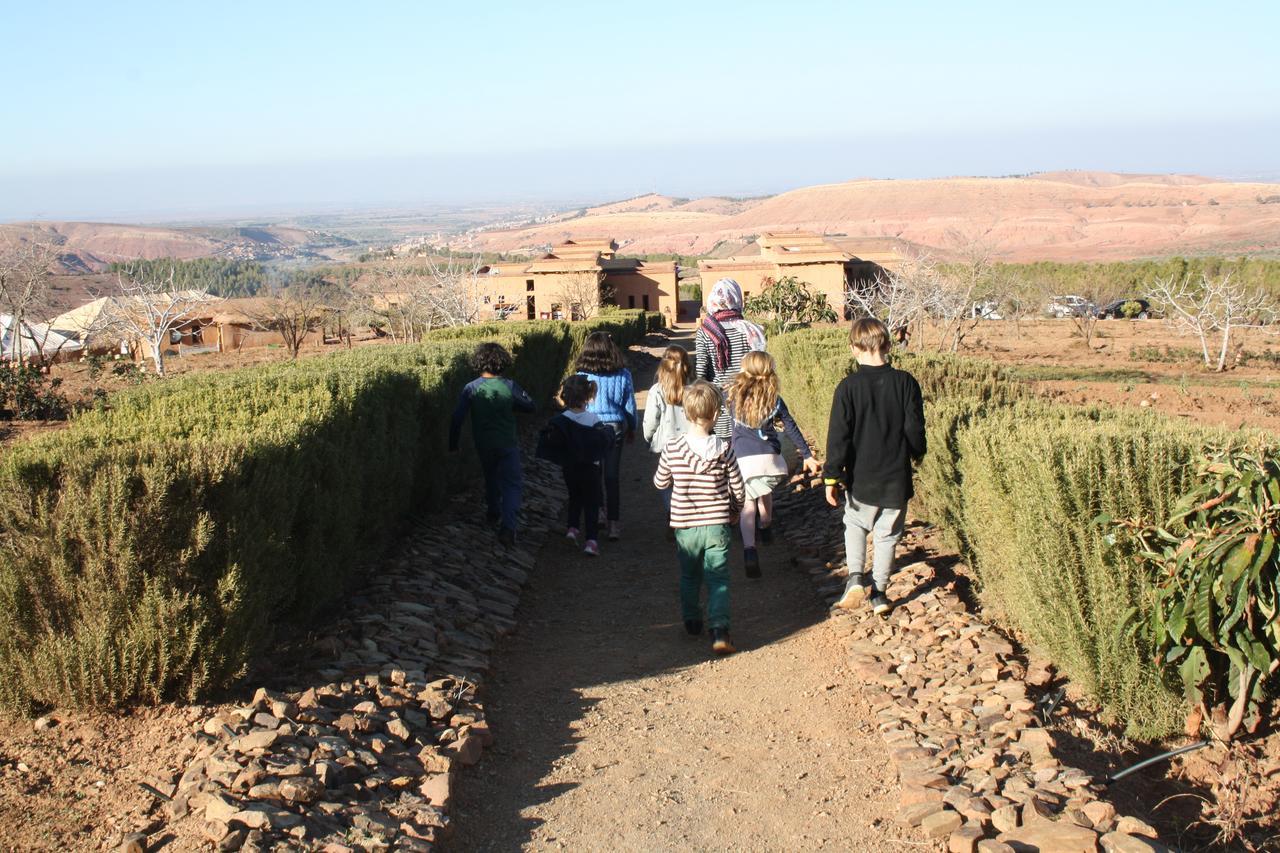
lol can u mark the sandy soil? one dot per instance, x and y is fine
(76, 786)
(1119, 369)
(616, 730)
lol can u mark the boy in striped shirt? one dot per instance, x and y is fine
(706, 495)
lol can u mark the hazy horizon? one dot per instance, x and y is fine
(155, 112)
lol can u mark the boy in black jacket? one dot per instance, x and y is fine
(876, 432)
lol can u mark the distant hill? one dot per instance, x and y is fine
(89, 247)
(1051, 216)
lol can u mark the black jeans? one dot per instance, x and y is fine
(583, 483)
(611, 468)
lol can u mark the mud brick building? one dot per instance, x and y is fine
(554, 285)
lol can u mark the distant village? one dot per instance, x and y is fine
(561, 284)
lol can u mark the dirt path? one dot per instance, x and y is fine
(615, 730)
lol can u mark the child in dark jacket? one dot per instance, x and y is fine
(492, 402)
(577, 440)
(876, 432)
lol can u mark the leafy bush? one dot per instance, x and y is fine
(1015, 483)
(788, 303)
(27, 394)
(147, 551)
(1217, 592)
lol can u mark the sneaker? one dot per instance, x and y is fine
(855, 592)
(572, 535)
(880, 605)
(592, 548)
(751, 562)
(720, 642)
(615, 531)
(507, 537)
(766, 535)
(693, 627)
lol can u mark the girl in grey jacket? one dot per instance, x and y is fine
(664, 418)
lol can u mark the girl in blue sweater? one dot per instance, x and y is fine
(615, 405)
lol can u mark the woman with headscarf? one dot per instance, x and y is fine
(723, 338)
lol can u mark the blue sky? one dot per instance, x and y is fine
(204, 108)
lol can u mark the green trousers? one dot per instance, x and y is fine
(704, 558)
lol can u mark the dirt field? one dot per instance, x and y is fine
(1137, 362)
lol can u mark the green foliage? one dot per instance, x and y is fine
(789, 303)
(1131, 309)
(216, 275)
(1015, 483)
(148, 550)
(27, 394)
(1132, 278)
(1217, 584)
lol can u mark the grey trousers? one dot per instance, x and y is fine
(885, 525)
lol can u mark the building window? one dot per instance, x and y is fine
(631, 300)
(486, 300)
(528, 285)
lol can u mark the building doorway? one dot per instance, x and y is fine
(645, 300)
(530, 313)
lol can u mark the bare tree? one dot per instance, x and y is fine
(965, 282)
(583, 293)
(294, 312)
(25, 292)
(439, 289)
(454, 297)
(898, 298)
(1213, 306)
(150, 307)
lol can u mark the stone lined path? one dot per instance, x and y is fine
(615, 730)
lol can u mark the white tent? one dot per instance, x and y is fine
(34, 338)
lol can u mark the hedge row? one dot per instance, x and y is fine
(1015, 482)
(147, 551)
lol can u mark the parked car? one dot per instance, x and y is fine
(1116, 310)
(1069, 306)
(986, 311)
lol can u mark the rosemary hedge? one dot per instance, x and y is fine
(1016, 483)
(147, 550)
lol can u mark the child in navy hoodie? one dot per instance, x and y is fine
(577, 440)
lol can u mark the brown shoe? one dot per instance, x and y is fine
(720, 642)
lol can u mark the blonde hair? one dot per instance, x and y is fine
(702, 402)
(867, 334)
(755, 390)
(674, 371)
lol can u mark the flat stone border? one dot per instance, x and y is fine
(976, 770)
(358, 754)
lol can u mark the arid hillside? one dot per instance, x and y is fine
(88, 247)
(1049, 216)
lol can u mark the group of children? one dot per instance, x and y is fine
(719, 458)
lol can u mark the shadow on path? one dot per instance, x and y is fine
(616, 730)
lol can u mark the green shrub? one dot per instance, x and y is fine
(1015, 483)
(147, 551)
(1217, 590)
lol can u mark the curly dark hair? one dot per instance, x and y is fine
(600, 355)
(576, 391)
(491, 358)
